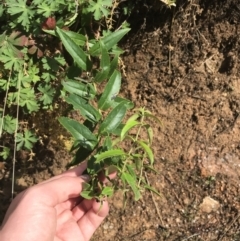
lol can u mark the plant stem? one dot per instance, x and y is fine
(5, 103)
(15, 133)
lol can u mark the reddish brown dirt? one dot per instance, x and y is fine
(183, 65)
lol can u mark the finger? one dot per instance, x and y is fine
(74, 172)
(57, 190)
(64, 217)
(68, 205)
(82, 208)
(93, 218)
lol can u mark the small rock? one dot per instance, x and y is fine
(209, 205)
(21, 182)
(106, 225)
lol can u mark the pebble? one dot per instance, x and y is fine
(209, 205)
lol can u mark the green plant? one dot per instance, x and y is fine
(101, 136)
(31, 72)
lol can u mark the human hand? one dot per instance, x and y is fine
(54, 211)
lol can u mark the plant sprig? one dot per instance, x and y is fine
(100, 138)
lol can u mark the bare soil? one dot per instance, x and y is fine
(183, 65)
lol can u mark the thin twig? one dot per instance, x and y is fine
(155, 204)
(230, 225)
(5, 103)
(194, 235)
(15, 133)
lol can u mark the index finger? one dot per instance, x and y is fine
(56, 191)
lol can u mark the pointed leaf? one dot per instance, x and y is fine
(134, 117)
(148, 151)
(81, 155)
(152, 189)
(132, 172)
(129, 104)
(79, 39)
(149, 132)
(84, 90)
(80, 132)
(114, 119)
(105, 59)
(107, 191)
(87, 194)
(109, 41)
(114, 64)
(151, 169)
(118, 130)
(130, 180)
(128, 126)
(109, 154)
(102, 75)
(107, 144)
(88, 111)
(150, 115)
(73, 49)
(112, 88)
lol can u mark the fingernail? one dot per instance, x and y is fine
(86, 178)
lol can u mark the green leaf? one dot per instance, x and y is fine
(128, 126)
(109, 41)
(112, 88)
(73, 49)
(25, 140)
(104, 64)
(118, 130)
(134, 117)
(5, 153)
(107, 191)
(129, 104)
(80, 132)
(3, 84)
(99, 8)
(130, 180)
(93, 167)
(107, 144)
(132, 172)
(11, 60)
(79, 39)
(109, 154)
(138, 161)
(81, 155)
(149, 132)
(9, 124)
(47, 9)
(105, 59)
(28, 99)
(101, 75)
(88, 111)
(87, 191)
(152, 189)
(148, 151)
(150, 115)
(87, 194)
(84, 90)
(48, 93)
(114, 119)
(24, 13)
(114, 64)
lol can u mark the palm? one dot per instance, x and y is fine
(53, 211)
